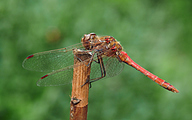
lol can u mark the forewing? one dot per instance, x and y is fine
(51, 60)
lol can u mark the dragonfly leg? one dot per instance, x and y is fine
(103, 72)
(87, 81)
(102, 67)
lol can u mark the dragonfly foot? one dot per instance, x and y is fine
(87, 81)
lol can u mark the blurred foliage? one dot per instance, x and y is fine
(155, 33)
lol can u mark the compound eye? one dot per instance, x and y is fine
(92, 33)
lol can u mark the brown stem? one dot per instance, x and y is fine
(79, 97)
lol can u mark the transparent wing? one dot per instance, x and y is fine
(65, 75)
(51, 60)
(56, 78)
(112, 67)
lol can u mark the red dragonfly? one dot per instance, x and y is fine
(106, 61)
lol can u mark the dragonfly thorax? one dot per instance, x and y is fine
(106, 45)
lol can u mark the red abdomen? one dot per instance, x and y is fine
(125, 58)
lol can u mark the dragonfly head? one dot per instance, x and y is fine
(88, 40)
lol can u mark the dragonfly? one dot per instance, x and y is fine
(107, 60)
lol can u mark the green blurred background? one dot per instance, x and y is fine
(155, 33)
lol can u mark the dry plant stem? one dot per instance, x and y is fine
(79, 97)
